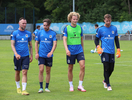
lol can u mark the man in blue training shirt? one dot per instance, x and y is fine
(36, 31)
(107, 34)
(20, 39)
(73, 43)
(48, 42)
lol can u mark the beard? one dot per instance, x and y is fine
(23, 28)
(46, 29)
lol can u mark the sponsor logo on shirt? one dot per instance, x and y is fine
(46, 41)
(50, 36)
(26, 35)
(112, 32)
(109, 37)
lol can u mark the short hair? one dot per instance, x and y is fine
(96, 25)
(69, 17)
(107, 16)
(22, 18)
(47, 20)
(38, 26)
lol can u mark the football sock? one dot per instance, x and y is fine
(41, 84)
(47, 84)
(80, 83)
(108, 85)
(24, 86)
(18, 84)
(70, 83)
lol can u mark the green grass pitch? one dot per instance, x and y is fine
(121, 79)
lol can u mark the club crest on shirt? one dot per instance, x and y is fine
(50, 36)
(26, 35)
(112, 32)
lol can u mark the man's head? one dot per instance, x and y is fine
(22, 24)
(38, 27)
(73, 17)
(107, 20)
(46, 24)
(96, 26)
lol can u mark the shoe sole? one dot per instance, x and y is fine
(81, 90)
(40, 92)
(25, 94)
(71, 90)
(47, 91)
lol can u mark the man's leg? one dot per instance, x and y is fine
(111, 68)
(41, 70)
(17, 79)
(48, 69)
(70, 76)
(107, 74)
(24, 82)
(81, 75)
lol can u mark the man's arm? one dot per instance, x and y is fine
(14, 50)
(96, 41)
(117, 42)
(53, 49)
(82, 43)
(65, 45)
(36, 50)
(31, 51)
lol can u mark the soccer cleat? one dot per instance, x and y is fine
(71, 89)
(105, 85)
(40, 90)
(25, 92)
(19, 90)
(80, 88)
(109, 88)
(47, 90)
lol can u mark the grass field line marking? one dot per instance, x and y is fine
(123, 61)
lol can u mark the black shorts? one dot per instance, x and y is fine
(22, 63)
(72, 58)
(45, 61)
(106, 57)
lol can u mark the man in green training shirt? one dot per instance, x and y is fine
(73, 43)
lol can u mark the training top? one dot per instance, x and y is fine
(76, 48)
(45, 38)
(36, 31)
(21, 39)
(107, 36)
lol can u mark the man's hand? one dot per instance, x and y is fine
(37, 56)
(68, 53)
(49, 54)
(99, 49)
(118, 54)
(17, 56)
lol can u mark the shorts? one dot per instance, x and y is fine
(45, 61)
(72, 58)
(22, 63)
(106, 57)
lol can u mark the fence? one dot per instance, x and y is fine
(85, 36)
(12, 14)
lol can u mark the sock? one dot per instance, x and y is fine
(108, 85)
(80, 83)
(18, 84)
(70, 83)
(24, 86)
(41, 84)
(47, 84)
